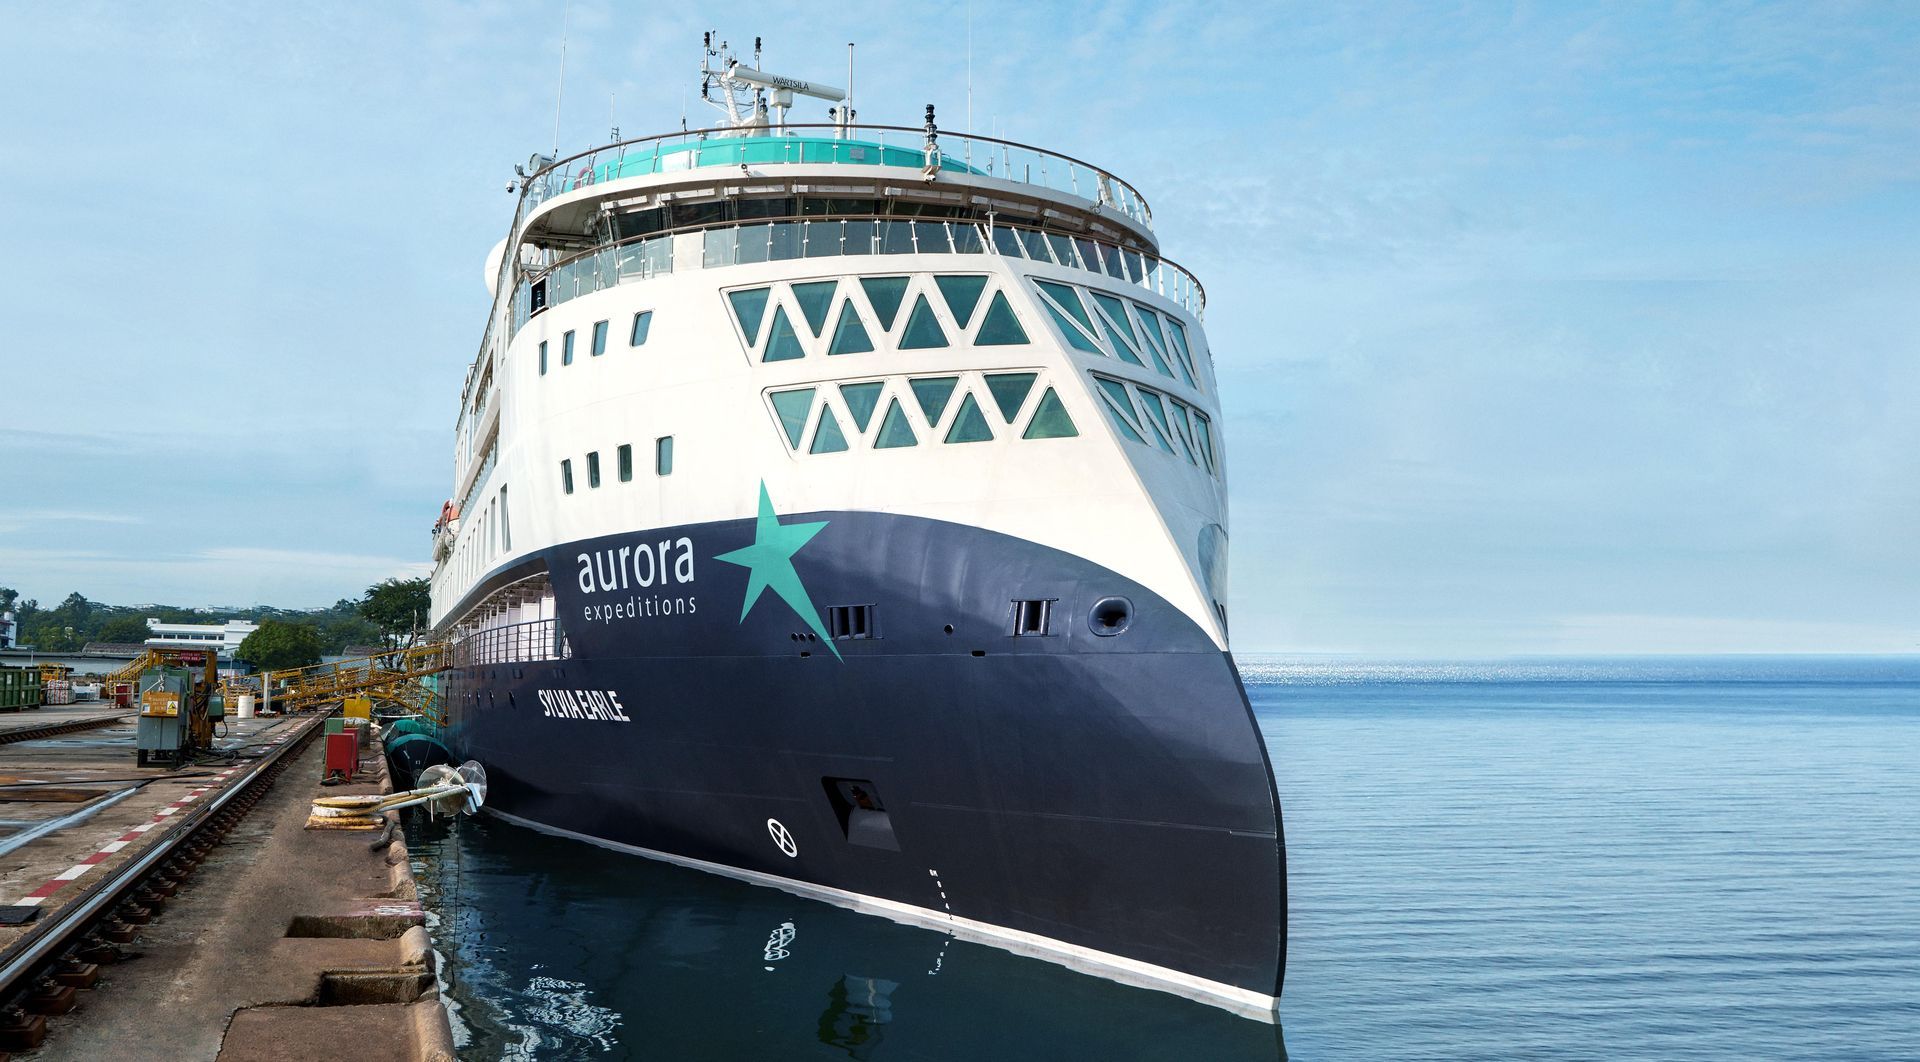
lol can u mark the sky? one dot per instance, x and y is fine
(1540, 328)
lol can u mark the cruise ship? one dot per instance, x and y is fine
(843, 508)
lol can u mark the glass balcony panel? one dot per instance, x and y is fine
(931, 237)
(784, 243)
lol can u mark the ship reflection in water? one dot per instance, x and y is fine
(557, 949)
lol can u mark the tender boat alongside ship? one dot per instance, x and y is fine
(842, 508)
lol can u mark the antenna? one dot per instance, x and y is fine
(846, 105)
(560, 93)
(613, 118)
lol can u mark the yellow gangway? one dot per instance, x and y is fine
(392, 678)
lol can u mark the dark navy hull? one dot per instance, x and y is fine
(1102, 801)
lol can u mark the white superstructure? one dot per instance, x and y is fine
(683, 318)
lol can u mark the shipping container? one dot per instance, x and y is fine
(19, 688)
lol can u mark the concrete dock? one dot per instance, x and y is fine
(199, 917)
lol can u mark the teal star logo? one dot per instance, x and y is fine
(769, 562)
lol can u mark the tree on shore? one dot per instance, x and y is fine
(279, 645)
(399, 608)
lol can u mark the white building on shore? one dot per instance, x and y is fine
(223, 637)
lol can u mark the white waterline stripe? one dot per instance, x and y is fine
(1242, 1001)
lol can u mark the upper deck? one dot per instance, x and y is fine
(590, 176)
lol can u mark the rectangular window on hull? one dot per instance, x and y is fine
(663, 455)
(593, 469)
(626, 463)
(566, 349)
(543, 357)
(506, 529)
(852, 622)
(599, 338)
(642, 321)
(566, 476)
(1032, 618)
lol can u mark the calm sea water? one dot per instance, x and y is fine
(1711, 858)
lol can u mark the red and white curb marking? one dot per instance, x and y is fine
(76, 871)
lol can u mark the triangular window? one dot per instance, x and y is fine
(815, 299)
(850, 335)
(748, 307)
(1116, 312)
(1183, 428)
(1010, 392)
(885, 293)
(1113, 318)
(793, 406)
(933, 393)
(861, 398)
(1069, 301)
(1157, 416)
(923, 329)
(1156, 343)
(1178, 332)
(1204, 430)
(827, 438)
(962, 295)
(895, 431)
(1050, 420)
(1075, 337)
(782, 343)
(1120, 408)
(1001, 328)
(969, 424)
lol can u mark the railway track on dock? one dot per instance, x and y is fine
(35, 733)
(41, 971)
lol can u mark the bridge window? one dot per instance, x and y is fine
(885, 293)
(933, 392)
(850, 335)
(923, 329)
(1050, 420)
(782, 343)
(593, 469)
(1009, 391)
(566, 349)
(815, 298)
(748, 307)
(963, 296)
(1120, 408)
(1001, 328)
(827, 437)
(792, 408)
(663, 455)
(895, 430)
(566, 475)
(599, 338)
(642, 321)
(861, 399)
(969, 424)
(626, 462)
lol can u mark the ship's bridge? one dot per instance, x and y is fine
(564, 201)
